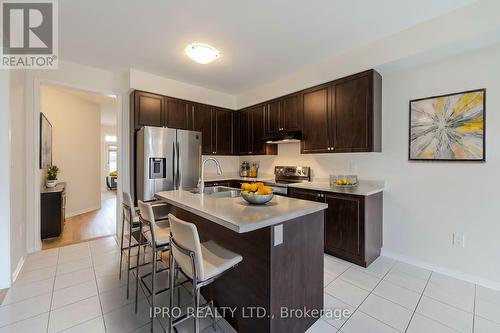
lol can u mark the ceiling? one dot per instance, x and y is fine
(260, 41)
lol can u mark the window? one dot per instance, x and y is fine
(110, 138)
(112, 158)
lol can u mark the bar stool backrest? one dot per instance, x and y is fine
(185, 237)
(127, 207)
(147, 218)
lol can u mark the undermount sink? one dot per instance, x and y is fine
(220, 192)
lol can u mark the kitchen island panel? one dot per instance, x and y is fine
(269, 277)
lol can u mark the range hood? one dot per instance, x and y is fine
(282, 137)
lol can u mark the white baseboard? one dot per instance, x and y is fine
(442, 270)
(82, 211)
(16, 272)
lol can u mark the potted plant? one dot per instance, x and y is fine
(51, 180)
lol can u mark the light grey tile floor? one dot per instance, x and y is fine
(76, 289)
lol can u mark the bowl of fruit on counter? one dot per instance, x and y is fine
(256, 193)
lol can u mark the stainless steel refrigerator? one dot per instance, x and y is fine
(166, 159)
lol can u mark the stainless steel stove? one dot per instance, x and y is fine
(284, 175)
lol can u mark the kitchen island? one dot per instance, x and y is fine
(281, 243)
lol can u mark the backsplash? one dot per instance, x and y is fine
(322, 165)
(229, 164)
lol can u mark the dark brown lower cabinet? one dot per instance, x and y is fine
(353, 224)
(52, 211)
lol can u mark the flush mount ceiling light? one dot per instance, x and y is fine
(202, 53)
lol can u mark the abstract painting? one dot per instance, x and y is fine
(448, 127)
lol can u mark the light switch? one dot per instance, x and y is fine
(278, 234)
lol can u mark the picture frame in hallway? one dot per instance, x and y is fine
(45, 142)
(449, 127)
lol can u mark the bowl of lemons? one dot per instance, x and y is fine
(256, 193)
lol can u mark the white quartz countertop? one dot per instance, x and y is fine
(214, 178)
(364, 187)
(238, 215)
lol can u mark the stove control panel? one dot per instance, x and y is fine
(293, 173)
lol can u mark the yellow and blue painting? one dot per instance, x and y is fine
(449, 127)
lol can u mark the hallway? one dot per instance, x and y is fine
(88, 226)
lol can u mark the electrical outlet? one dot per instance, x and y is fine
(458, 240)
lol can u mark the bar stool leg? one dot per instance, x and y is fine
(171, 273)
(153, 277)
(128, 261)
(176, 278)
(121, 248)
(137, 267)
(196, 304)
(214, 321)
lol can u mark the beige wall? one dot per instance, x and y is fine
(76, 151)
(18, 171)
(5, 148)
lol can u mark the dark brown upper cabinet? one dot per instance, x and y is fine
(244, 138)
(289, 112)
(283, 114)
(236, 132)
(203, 124)
(179, 113)
(316, 119)
(216, 126)
(273, 110)
(344, 115)
(257, 130)
(252, 126)
(148, 109)
(223, 131)
(356, 113)
(341, 116)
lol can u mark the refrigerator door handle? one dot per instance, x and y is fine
(174, 176)
(178, 166)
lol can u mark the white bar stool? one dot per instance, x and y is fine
(202, 263)
(157, 236)
(131, 221)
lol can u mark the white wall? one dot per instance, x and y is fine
(18, 171)
(76, 146)
(229, 164)
(426, 202)
(5, 265)
(161, 85)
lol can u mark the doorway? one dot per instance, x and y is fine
(85, 149)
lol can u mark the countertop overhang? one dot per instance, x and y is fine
(238, 215)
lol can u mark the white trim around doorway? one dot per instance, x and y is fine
(33, 177)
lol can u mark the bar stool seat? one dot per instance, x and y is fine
(217, 259)
(162, 234)
(202, 263)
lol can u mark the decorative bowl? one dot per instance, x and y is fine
(257, 199)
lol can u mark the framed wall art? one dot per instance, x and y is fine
(448, 127)
(45, 142)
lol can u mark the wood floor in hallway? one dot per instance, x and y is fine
(88, 226)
